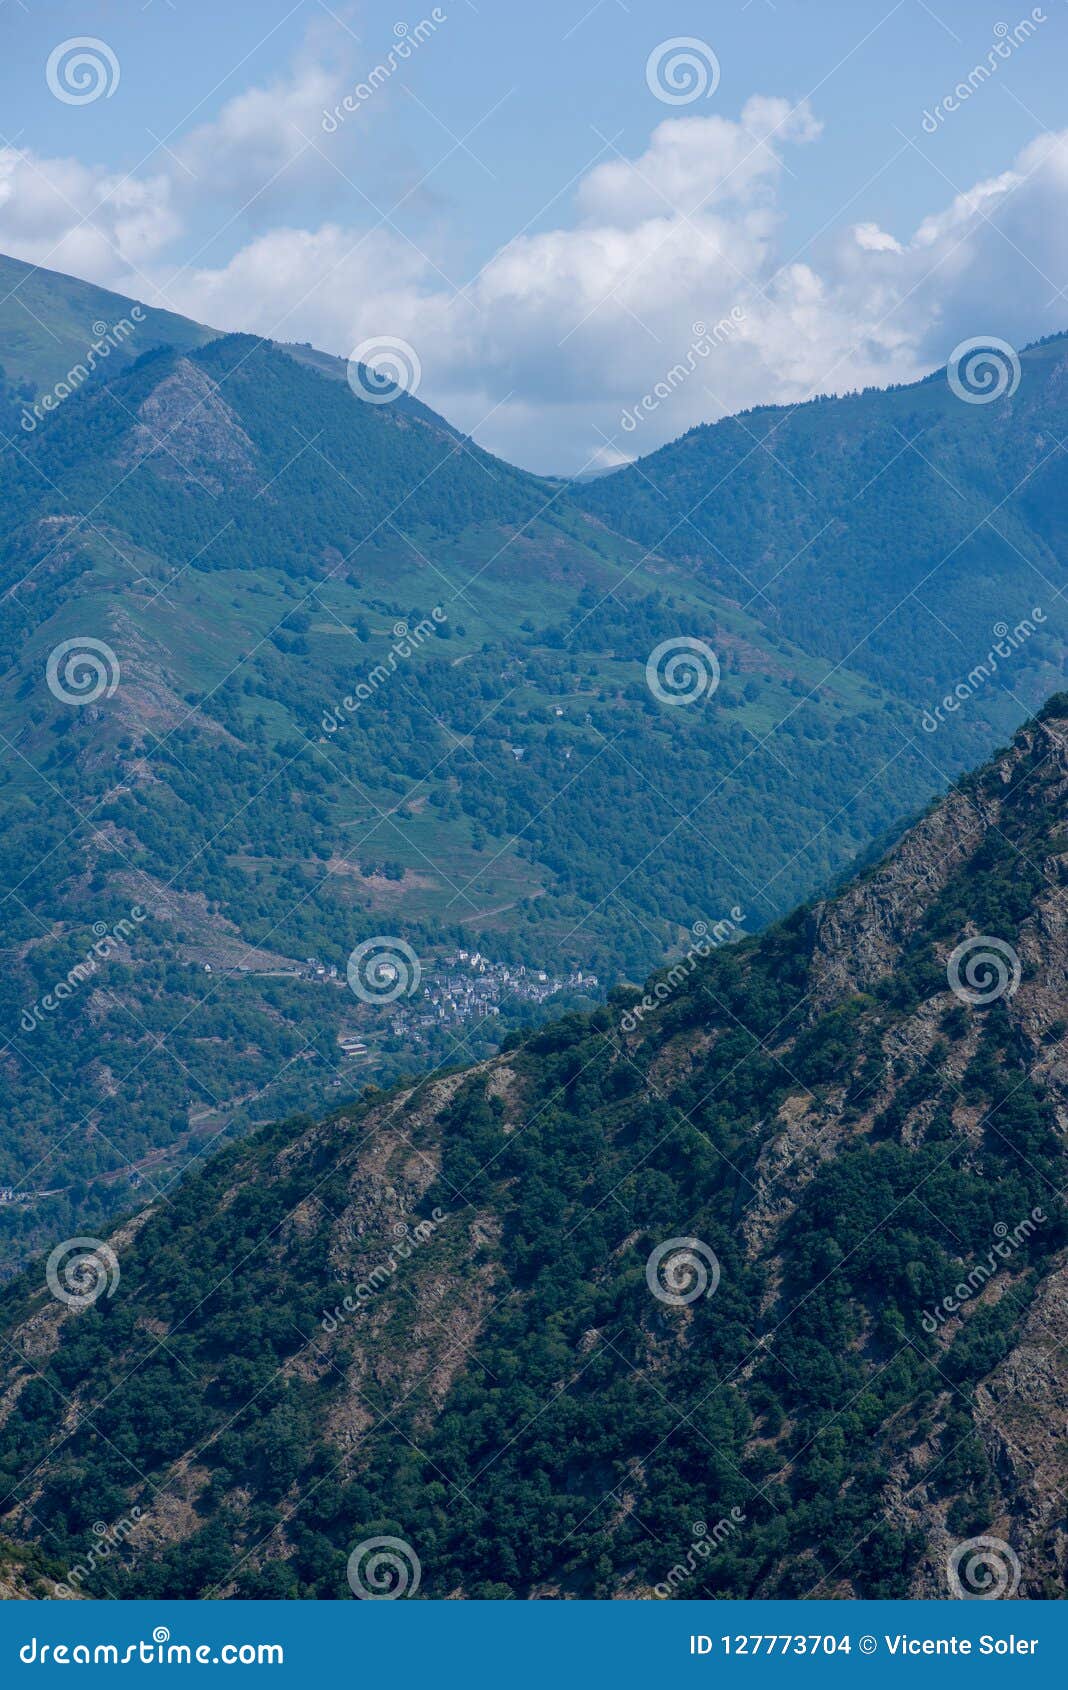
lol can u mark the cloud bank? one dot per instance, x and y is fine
(574, 345)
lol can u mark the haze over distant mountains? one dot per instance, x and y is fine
(246, 539)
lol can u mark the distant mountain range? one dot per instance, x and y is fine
(891, 532)
(347, 676)
(749, 1284)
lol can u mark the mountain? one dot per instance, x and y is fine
(893, 531)
(48, 323)
(28, 1575)
(283, 673)
(51, 323)
(752, 1284)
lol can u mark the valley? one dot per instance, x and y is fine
(540, 1319)
(533, 839)
(251, 546)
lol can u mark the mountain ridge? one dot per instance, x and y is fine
(933, 449)
(360, 680)
(49, 321)
(780, 1246)
(241, 542)
(71, 317)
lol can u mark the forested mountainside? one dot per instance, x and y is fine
(888, 530)
(283, 672)
(752, 1284)
(28, 1575)
(48, 323)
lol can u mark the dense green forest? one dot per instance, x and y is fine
(892, 531)
(253, 547)
(845, 1137)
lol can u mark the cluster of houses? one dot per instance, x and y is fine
(467, 986)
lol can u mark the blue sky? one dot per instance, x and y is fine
(515, 203)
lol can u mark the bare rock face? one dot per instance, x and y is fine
(188, 433)
(859, 936)
(870, 1182)
(1040, 1006)
(1022, 1415)
(805, 1136)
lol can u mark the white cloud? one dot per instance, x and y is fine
(696, 163)
(262, 137)
(261, 150)
(90, 222)
(325, 285)
(566, 329)
(871, 238)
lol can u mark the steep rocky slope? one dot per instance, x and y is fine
(27, 1575)
(287, 671)
(752, 1284)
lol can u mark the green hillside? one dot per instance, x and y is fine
(371, 681)
(891, 531)
(48, 322)
(752, 1285)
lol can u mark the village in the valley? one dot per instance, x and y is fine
(462, 986)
